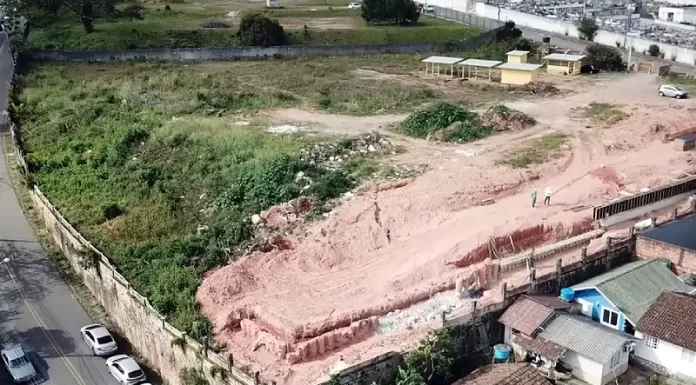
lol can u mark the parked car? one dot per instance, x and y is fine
(589, 69)
(125, 370)
(673, 91)
(429, 9)
(18, 364)
(354, 5)
(99, 339)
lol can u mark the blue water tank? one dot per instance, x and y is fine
(501, 352)
(567, 294)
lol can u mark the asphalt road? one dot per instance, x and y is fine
(36, 307)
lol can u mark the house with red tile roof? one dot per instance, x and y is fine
(504, 374)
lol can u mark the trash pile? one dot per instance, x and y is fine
(331, 155)
(539, 88)
(502, 118)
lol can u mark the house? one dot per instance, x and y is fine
(563, 64)
(677, 14)
(668, 330)
(518, 73)
(619, 298)
(504, 374)
(545, 331)
(517, 56)
(675, 240)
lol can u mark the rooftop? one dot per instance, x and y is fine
(517, 53)
(633, 287)
(564, 57)
(680, 233)
(541, 346)
(529, 313)
(442, 60)
(480, 63)
(671, 318)
(504, 374)
(520, 66)
(585, 337)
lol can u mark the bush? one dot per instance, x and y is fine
(422, 123)
(654, 50)
(215, 24)
(399, 12)
(509, 31)
(256, 29)
(431, 362)
(587, 27)
(605, 58)
(131, 12)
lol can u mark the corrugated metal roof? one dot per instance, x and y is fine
(564, 57)
(585, 337)
(680, 233)
(480, 63)
(525, 315)
(539, 345)
(442, 60)
(633, 287)
(520, 66)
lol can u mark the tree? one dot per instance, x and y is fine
(398, 12)
(256, 29)
(85, 10)
(430, 363)
(509, 31)
(605, 57)
(654, 50)
(588, 28)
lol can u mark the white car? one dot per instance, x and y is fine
(18, 364)
(99, 339)
(429, 9)
(673, 91)
(125, 370)
(354, 5)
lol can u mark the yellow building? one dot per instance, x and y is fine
(517, 56)
(563, 64)
(518, 73)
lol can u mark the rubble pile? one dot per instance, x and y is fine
(331, 155)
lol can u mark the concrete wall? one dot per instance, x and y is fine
(609, 373)
(683, 259)
(237, 53)
(682, 55)
(517, 77)
(668, 356)
(584, 368)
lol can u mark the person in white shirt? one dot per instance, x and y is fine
(547, 199)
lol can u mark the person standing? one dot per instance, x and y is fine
(547, 199)
(534, 196)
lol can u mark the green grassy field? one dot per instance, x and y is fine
(183, 27)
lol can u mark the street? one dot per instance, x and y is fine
(36, 307)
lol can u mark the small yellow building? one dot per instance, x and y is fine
(518, 73)
(563, 64)
(517, 56)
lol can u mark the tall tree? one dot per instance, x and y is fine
(87, 11)
(398, 12)
(587, 27)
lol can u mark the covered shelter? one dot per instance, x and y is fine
(517, 56)
(484, 67)
(563, 64)
(436, 62)
(518, 73)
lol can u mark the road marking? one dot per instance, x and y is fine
(38, 319)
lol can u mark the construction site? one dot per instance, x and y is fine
(393, 259)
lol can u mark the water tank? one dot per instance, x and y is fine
(501, 352)
(567, 294)
(546, 40)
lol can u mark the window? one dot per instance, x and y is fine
(610, 317)
(105, 340)
(615, 360)
(688, 355)
(651, 342)
(89, 335)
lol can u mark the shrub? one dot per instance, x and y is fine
(131, 12)
(422, 123)
(192, 377)
(509, 31)
(399, 12)
(587, 27)
(430, 362)
(256, 29)
(654, 50)
(605, 58)
(215, 24)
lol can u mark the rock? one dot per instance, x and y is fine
(255, 219)
(371, 148)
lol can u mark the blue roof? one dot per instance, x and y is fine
(680, 233)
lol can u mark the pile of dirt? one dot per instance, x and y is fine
(539, 88)
(331, 155)
(502, 118)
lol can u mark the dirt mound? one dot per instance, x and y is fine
(502, 118)
(540, 88)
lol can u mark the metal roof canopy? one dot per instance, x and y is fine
(517, 53)
(564, 57)
(519, 66)
(442, 60)
(480, 63)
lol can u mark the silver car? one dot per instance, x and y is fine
(99, 339)
(18, 364)
(125, 370)
(673, 91)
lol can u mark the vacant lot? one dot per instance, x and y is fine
(182, 26)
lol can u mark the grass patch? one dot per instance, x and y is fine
(185, 28)
(604, 113)
(536, 151)
(141, 157)
(681, 80)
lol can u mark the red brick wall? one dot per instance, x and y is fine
(683, 259)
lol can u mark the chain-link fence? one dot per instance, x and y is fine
(466, 18)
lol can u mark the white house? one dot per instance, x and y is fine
(668, 332)
(677, 14)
